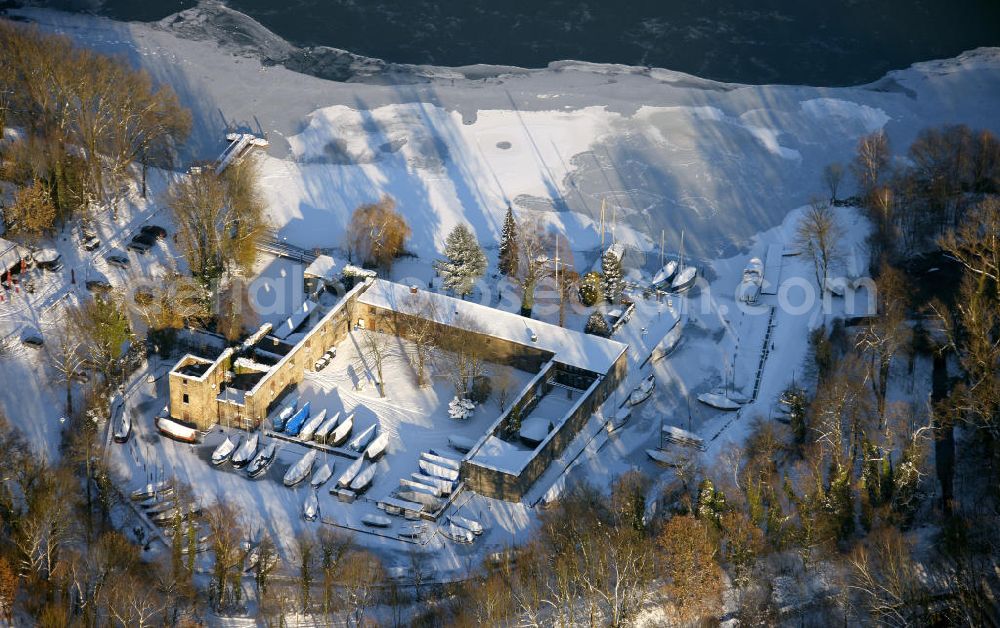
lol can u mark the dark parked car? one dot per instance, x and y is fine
(156, 231)
(117, 260)
(142, 243)
(32, 338)
(91, 243)
(98, 285)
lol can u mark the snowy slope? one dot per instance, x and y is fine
(662, 150)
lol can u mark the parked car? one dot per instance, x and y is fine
(91, 244)
(156, 231)
(31, 337)
(98, 285)
(321, 364)
(141, 243)
(48, 259)
(117, 260)
(330, 354)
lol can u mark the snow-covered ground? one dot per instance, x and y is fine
(660, 149)
(30, 395)
(416, 420)
(729, 166)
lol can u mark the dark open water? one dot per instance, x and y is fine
(815, 42)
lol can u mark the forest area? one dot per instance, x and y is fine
(865, 509)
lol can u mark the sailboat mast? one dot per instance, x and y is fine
(603, 203)
(661, 248)
(614, 222)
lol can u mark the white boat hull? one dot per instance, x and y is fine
(662, 457)
(376, 521)
(301, 469)
(348, 475)
(342, 431)
(719, 402)
(463, 522)
(377, 446)
(310, 508)
(438, 471)
(364, 478)
(362, 440)
(322, 475)
(246, 452)
(262, 461)
(684, 279)
(224, 451)
(313, 424)
(457, 534)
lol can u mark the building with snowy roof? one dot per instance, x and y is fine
(572, 374)
(320, 273)
(10, 256)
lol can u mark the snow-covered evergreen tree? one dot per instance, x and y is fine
(597, 325)
(611, 268)
(464, 261)
(508, 244)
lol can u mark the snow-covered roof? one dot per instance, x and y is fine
(573, 348)
(323, 267)
(284, 329)
(10, 255)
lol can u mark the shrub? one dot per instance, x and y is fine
(591, 291)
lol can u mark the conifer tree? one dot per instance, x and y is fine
(597, 325)
(464, 261)
(508, 244)
(611, 268)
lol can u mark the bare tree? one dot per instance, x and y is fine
(67, 357)
(334, 546)
(567, 279)
(887, 333)
(533, 261)
(491, 598)
(86, 108)
(465, 365)
(376, 349)
(818, 235)
(171, 302)
(8, 589)
(220, 219)
(871, 160)
(886, 580)
(306, 545)
(422, 331)
(975, 243)
(360, 577)
(689, 563)
(46, 529)
(833, 174)
(974, 327)
(227, 568)
(420, 569)
(267, 562)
